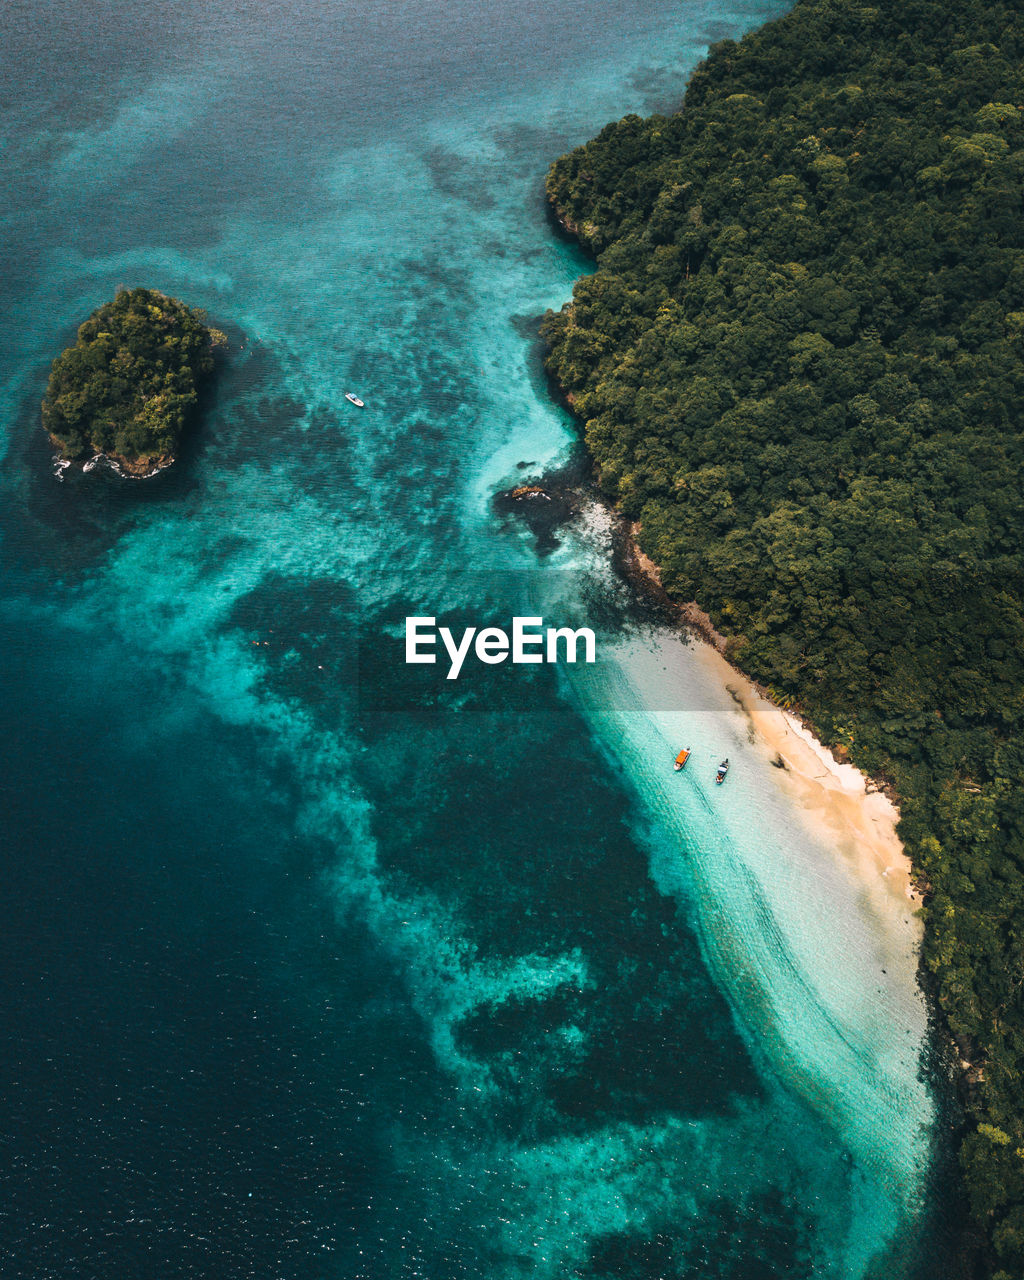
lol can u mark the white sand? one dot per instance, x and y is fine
(838, 800)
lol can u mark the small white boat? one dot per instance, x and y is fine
(352, 398)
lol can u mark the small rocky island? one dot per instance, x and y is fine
(129, 386)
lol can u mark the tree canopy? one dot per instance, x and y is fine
(800, 366)
(129, 385)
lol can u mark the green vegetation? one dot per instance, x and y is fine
(801, 367)
(129, 384)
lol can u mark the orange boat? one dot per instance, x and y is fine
(682, 758)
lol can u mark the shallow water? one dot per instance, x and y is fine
(310, 972)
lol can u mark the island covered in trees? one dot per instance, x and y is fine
(130, 385)
(800, 366)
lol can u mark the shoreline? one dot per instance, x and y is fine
(852, 818)
(853, 811)
(842, 806)
(800, 888)
(837, 800)
(126, 468)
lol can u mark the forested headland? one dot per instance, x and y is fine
(800, 366)
(130, 385)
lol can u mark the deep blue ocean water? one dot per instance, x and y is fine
(306, 973)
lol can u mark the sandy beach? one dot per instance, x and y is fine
(835, 797)
(800, 889)
(838, 801)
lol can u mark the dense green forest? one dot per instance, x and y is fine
(800, 365)
(129, 385)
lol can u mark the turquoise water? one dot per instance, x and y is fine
(305, 978)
